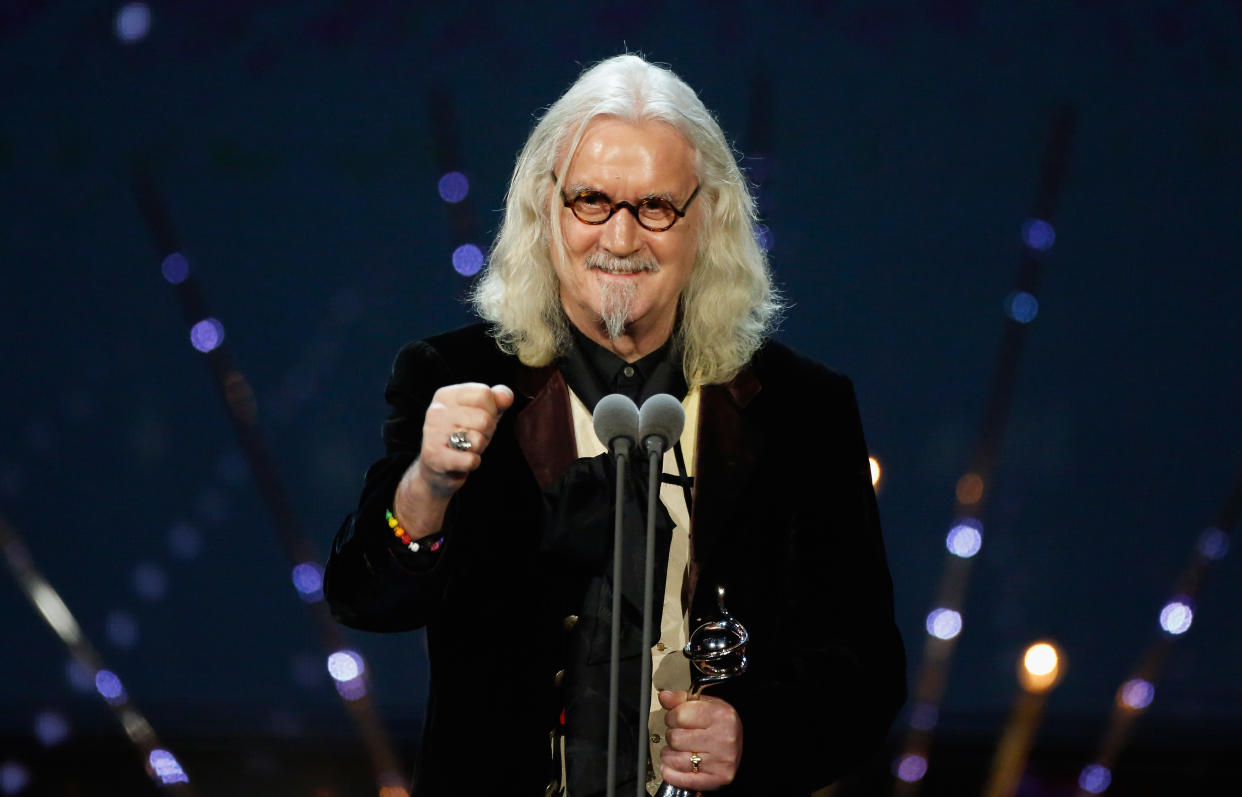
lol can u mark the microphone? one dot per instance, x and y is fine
(616, 423)
(660, 423)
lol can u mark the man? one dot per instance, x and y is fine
(626, 262)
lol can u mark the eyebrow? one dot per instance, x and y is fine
(580, 188)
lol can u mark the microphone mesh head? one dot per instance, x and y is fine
(661, 416)
(616, 415)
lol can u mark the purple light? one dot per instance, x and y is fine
(184, 541)
(352, 690)
(1022, 307)
(150, 581)
(1137, 694)
(453, 187)
(207, 335)
(175, 268)
(109, 686)
(1176, 616)
(345, 665)
(308, 581)
(467, 260)
(13, 777)
(79, 675)
(965, 538)
(1094, 778)
(910, 767)
(51, 728)
(122, 628)
(1038, 234)
(165, 766)
(944, 623)
(763, 236)
(924, 717)
(132, 22)
(1213, 543)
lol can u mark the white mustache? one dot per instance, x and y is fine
(620, 265)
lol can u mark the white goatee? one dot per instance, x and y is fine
(616, 298)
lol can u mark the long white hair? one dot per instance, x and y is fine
(728, 305)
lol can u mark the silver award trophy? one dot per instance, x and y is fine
(717, 652)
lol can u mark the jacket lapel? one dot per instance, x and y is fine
(725, 460)
(545, 429)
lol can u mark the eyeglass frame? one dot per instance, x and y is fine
(613, 207)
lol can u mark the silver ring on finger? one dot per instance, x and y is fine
(458, 441)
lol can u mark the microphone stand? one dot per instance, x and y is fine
(622, 453)
(655, 452)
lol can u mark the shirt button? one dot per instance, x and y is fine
(570, 621)
(660, 646)
(628, 371)
(655, 738)
(559, 677)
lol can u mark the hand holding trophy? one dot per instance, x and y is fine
(717, 652)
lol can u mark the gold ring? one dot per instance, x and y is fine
(695, 760)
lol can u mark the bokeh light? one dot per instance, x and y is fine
(944, 623)
(175, 268)
(207, 335)
(1094, 778)
(1040, 659)
(965, 538)
(1176, 616)
(108, 685)
(121, 628)
(1038, 235)
(1136, 694)
(166, 767)
(308, 581)
(876, 471)
(150, 582)
(969, 489)
(1022, 307)
(1042, 667)
(352, 690)
(1213, 543)
(132, 22)
(51, 728)
(13, 777)
(467, 260)
(345, 665)
(910, 767)
(453, 187)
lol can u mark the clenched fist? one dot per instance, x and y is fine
(469, 412)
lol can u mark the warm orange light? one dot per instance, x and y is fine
(1041, 667)
(969, 489)
(875, 471)
(393, 791)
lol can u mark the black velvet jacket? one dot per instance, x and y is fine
(784, 518)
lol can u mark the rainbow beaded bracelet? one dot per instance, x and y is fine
(415, 546)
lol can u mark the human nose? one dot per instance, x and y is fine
(622, 234)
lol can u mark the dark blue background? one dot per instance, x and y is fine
(293, 145)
